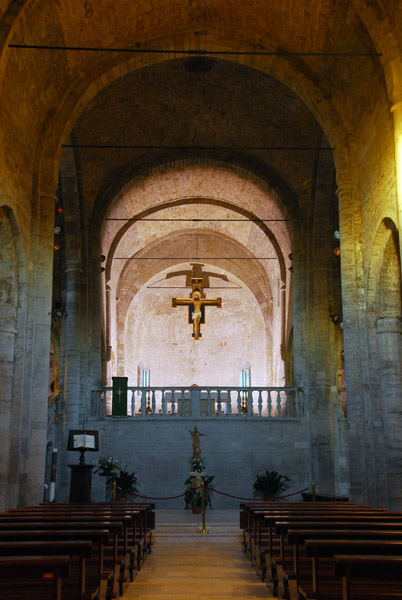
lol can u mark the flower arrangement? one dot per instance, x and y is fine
(126, 482)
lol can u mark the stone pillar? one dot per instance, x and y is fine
(34, 416)
(389, 331)
(396, 110)
(7, 343)
(354, 321)
(321, 407)
(73, 342)
(73, 405)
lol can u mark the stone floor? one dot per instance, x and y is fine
(188, 565)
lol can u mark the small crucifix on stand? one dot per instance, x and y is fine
(196, 304)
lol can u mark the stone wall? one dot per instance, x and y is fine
(234, 450)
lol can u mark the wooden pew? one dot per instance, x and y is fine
(323, 551)
(130, 543)
(369, 577)
(272, 554)
(133, 543)
(287, 559)
(95, 571)
(267, 543)
(111, 561)
(42, 577)
(78, 550)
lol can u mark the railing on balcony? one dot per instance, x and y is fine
(195, 402)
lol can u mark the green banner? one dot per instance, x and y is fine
(119, 397)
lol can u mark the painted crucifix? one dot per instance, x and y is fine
(196, 304)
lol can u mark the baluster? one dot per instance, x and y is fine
(239, 402)
(182, 402)
(229, 403)
(249, 397)
(287, 405)
(143, 403)
(153, 402)
(278, 403)
(172, 402)
(219, 402)
(208, 403)
(260, 403)
(164, 403)
(269, 404)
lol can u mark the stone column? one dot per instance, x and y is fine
(73, 343)
(73, 407)
(389, 331)
(396, 110)
(354, 321)
(7, 343)
(35, 408)
(321, 408)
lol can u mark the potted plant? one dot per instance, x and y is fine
(193, 495)
(126, 482)
(270, 484)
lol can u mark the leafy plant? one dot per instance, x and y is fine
(125, 482)
(108, 467)
(193, 497)
(270, 484)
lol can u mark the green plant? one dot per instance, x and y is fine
(126, 483)
(108, 467)
(193, 497)
(270, 484)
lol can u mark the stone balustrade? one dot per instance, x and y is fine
(203, 402)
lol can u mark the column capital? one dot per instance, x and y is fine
(389, 325)
(8, 330)
(49, 196)
(344, 188)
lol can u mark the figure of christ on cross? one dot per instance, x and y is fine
(197, 301)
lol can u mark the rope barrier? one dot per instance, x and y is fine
(218, 492)
(258, 499)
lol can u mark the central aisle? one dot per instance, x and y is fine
(185, 564)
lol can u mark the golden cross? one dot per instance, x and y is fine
(197, 301)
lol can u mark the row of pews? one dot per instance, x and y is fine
(324, 551)
(73, 551)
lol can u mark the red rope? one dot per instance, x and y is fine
(221, 493)
(165, 498)
(258, 499)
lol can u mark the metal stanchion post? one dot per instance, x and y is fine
(203, 528)
(313, 486)
(114, 491)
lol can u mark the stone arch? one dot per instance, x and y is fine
(258, 174)
(382, 269)
(149, 330)
(309, 86)
(389, 288)
(384, 313)
(375, 19)
(205, 201)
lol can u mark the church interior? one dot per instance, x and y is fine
(200, 201)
